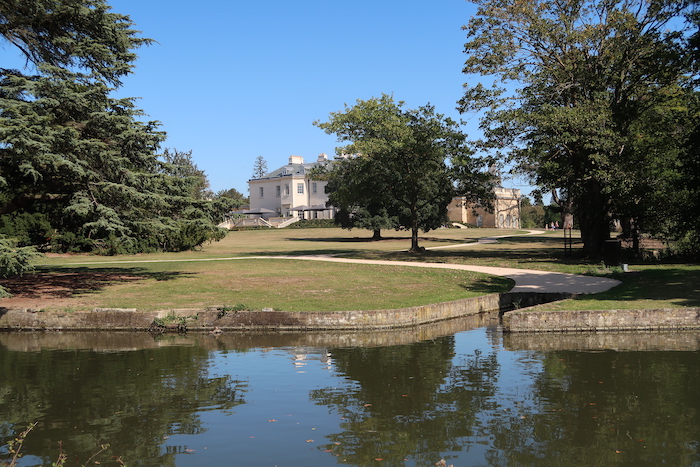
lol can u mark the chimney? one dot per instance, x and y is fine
(296, 160)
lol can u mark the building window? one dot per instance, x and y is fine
(262, 192)
(286, 189)
(313, 187)
(278, 191)
(300, 188)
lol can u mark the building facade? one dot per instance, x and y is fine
(505, 215)
(290, 192)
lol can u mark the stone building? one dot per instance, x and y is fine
(505, 215)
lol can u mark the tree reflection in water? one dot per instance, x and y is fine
(131, 400)
(408, 401)
(407, 397)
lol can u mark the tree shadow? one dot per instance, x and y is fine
(676, 285)
(347, 239)
(65, 282)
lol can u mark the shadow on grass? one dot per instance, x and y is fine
(65, 282)
(489, 286)
(478, 256)
(388, 239)
(677, 285)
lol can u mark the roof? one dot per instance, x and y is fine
(294, 168)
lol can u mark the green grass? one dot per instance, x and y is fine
(185, 281)
(644, 287)
(281, 284)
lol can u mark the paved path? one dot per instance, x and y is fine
(526, 280)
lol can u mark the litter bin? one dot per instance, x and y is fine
(612, 253)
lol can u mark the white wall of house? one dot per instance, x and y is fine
(289, 187)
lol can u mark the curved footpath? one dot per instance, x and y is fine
(526, 280)
(531, 287)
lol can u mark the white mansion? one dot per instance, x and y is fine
(289, 192)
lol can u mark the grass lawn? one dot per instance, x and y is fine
(280, 284)
(183, 280)
(645, 287)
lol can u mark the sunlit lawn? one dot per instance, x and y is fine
(284, 285)
(184, 281)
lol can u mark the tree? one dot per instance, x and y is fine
(400, 164)
(76, 159)
(591, 73)
(232, 194)
(70, 34)
(84, 161)
(14, 261)
(180, 164)
(259, 167)
(354, 189)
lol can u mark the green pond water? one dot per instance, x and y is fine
(459, 391)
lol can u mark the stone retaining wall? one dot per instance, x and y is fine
(602, 320)
(213, 318)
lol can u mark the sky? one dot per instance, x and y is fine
(233, 80)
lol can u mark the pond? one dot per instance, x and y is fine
(459, 391)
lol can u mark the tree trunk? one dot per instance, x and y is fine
(566, 203)
(593, 219)
(414, 241)
(377, 234)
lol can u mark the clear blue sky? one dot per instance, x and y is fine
(233, 80)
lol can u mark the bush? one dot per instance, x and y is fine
(14, 261)
(26, 228)
(313, 224)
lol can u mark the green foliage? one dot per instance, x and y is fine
(14, 261)
(14, 446)
(72, 34)
(598, 112)
(224, 310)
(180, 164)
(394, 171)
(27, 228)
(259, 167)
(78, 167)
(234, 195)
(312, 224)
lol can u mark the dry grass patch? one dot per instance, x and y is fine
(270, 283)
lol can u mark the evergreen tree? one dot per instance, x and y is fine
(78, 162)
(259, 167)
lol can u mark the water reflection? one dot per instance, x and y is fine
(458, 391)
(131, 400)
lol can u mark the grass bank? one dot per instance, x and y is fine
(218, 274)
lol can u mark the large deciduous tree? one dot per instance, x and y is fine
(399, 164)
(582, 89)
(354, 189)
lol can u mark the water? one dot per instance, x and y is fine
(458, 391)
